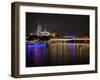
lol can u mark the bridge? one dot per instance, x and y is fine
(70, 40)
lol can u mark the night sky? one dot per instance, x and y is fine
(60, 23)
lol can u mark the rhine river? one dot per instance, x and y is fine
(56, 53)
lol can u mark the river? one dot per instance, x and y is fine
(56, 53)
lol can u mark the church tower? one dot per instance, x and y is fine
(39, 29)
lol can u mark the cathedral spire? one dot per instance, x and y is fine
(45, 29)
(39, 29)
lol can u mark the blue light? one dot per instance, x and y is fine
(36, 52)
(72, 52)
(71, 36)
(39, 44)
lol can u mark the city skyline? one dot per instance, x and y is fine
(60, 23)
(49, 42)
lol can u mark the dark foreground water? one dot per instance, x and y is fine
(56, 53)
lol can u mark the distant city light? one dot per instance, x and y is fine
(70, 36)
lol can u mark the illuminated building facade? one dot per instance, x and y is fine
(42, 33)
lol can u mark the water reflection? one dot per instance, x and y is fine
(72, 52)
(56, 53)
(35, 53)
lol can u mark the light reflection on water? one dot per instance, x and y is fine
(35, 54)
(51, 54)
(72, 52)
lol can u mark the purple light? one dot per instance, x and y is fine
(72, 52)
(71, 36)
(36, 52)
